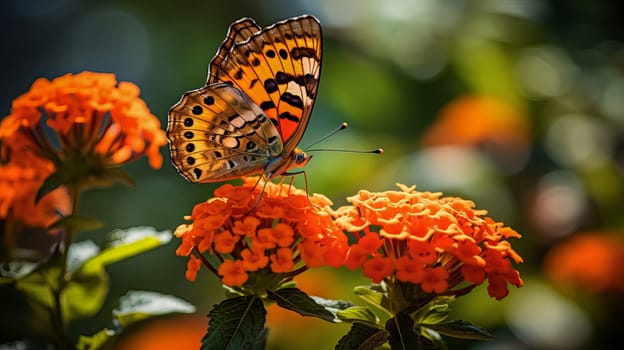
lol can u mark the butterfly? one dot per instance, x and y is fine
(255, 106)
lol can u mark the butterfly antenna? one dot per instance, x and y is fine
(340, 128)
(374, 151)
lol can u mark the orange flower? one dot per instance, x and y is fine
(435, 280)
(377, 268)
(93, 123)
(233, 273)
(21, 176)
(192, 267)
(224, 242)
(425, 239)
(282, 234)
(282, 260)
(254, 260)
(589, 260)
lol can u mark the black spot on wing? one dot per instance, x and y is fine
(270, 85)
(267, 105)
(288, 116)
(309, 82)
(283, 78)
(292, 100)
(299, 52)
(239, 74)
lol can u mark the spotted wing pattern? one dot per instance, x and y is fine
(255, 106)
(238, 32)
(217, 133)
(279, 68)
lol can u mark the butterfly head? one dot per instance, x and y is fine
(300, 158)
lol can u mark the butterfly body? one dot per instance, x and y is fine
(250, 116)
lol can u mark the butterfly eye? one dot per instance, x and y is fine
(301, 158)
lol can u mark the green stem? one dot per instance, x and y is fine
(64, 341)
(204, 261)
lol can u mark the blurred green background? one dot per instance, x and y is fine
(517, 105)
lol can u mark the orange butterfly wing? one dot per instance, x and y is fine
(238, 32)
(278, 68)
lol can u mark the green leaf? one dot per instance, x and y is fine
(139, 234)
(14, 270)
(51, 183)
(295, 300)
(362, 336)
(37, 288)
(261, 340)
(97, 341)
(357, 313)
(87, 288)
(435, 312)
(431, 340)
(138, 305)
(401, 330)
(39, 283)
(85, 292)
(79, 253)
(235, 323)
(124, 244)
(231, 292)
(77, 223)
(461, 329)
(373, 295)
(332, 305)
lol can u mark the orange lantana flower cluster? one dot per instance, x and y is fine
(238, 236)
(20, 180)
(93, 119)
(428, 240)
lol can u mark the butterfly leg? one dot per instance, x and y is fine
(305, 180)
(281, 182)
(267, 178)
(256, 184)
(292, 183)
